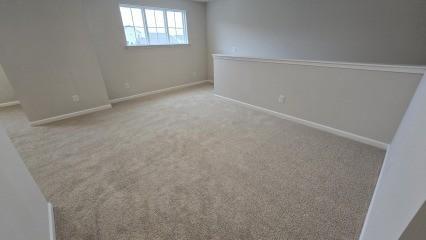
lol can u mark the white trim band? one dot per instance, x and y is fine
(8, 104)
(70, 115)
(117, 100)
(51, 216)
(347, 65)
(374, 196)
(318, 126)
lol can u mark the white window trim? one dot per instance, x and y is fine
(142, 7)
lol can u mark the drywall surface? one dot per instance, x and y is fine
(379, 31)
(133, 70)
(401, 191)
(367, 103)
(6, 91)
(23, 208)
(46, 52)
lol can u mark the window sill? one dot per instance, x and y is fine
(158, 45)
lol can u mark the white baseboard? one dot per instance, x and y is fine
(210, 81)
(8, 104)
(117, 100)
(70, 115)
(373, 199)
(51, 215)
(318, 126)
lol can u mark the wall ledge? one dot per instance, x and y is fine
(346, 65)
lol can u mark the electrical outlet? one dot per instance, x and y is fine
(234, 49)
(281, 99)
(127, 85)
(75, 98)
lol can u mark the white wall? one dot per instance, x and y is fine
(368, 103)
(46, 52)
(380, 31)
(401, 189)
(23, 208)
(7, 93)
(151, 68)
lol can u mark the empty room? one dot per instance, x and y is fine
(212, 119)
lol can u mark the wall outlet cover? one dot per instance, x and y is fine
(75, 98)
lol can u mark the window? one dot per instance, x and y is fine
(153, 26)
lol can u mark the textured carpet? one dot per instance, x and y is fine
(188, 165)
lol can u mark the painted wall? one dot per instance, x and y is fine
(379, 31)
(47, 54)
(363, 102)
(23, 208)
(146, 69)
(401, 191)
(7, 94)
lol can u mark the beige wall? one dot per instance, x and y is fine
(400, 191)
(46, 51)
(379, 31)
(367, 103)
(146, 68)
(7, 93)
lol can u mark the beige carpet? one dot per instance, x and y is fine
(188, 165)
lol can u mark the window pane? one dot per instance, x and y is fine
(172, 35)
(150, 18)
(163, 38)
(161, 30)
(153, 36)
(181, 40)
(130, 35)
(172, 31)
(126, 16)
(179, 19)
(140, 32)
(137, 17)
(159, 18)
(171, 19)
(140, 36)
(137, 26)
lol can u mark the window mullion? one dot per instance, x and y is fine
(133, 24)
(166, 25)
(145, 24)
(185, 27)
(156, 26)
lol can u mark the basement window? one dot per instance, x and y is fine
(146, 26)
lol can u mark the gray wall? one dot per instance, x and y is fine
(7, 93)
(146, 68)
(367, 103)
(23, 208)
(381, 31)
(400, 191)
(46, 52)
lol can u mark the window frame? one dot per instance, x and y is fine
(145, 23)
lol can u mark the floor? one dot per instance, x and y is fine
(189, 165)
